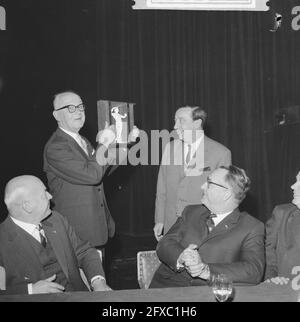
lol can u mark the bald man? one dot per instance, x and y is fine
(39, 251)
(75, 178)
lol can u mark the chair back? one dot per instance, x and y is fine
(147, 264)
(2, 279)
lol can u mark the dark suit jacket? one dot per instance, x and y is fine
(283, 241)
(176, 188)
(234, 247)
(22, 265)
(76, 183)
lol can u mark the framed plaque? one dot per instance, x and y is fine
(118, 114)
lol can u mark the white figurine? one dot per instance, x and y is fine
(119, 124)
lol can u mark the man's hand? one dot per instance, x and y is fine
(134, 134)
(191, 260)
(199, 270)
(106, 136)
(100, 285)
(189, 256)
(279, 280)
(47, 286)
(158, 229)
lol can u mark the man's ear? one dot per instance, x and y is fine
(27, 206)
(55, 115)
(198, 124)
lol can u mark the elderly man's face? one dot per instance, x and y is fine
(69, 121)
(216, 191)
(296, 189)
(40, 202)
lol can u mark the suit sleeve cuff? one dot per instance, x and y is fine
(97, 277)
(29, 286)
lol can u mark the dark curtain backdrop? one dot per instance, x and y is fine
(227, 62)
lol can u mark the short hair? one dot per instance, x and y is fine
(238, 180)
(60, 94)
(198, 113)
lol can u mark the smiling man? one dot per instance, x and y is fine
(74, 177)
(213, 238)
(283, 239)
(185, 165)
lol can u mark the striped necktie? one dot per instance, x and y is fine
(42, 235)
(188, 156)
(210, 223)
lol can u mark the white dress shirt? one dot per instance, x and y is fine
(220, 217)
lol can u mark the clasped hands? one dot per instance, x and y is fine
(191, 260)
(108, 135)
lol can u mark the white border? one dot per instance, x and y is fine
(247, 5)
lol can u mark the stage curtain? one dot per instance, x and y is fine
(231, 64)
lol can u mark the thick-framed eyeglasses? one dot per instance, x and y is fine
(216, 184)
(72, 108)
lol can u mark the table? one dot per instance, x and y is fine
(264, 292)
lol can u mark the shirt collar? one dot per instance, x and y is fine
(30, 228)
(74, 135)
(195, 145)
(220, 217)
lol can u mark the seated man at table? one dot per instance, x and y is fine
(39, 251)
(283, 240)
(213, 238)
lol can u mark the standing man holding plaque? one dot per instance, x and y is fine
(186, 164)
(75, 177)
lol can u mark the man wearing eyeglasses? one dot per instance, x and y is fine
(74, 176)
(213, 238)
(185, 165)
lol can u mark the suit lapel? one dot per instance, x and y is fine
(91, 150)
(199, 162)
(73, 143)
(21, 248)
(56, 243)
(176, 158)
(296, 226)
(224, 226)
(203, 231)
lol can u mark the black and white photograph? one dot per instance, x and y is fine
(150, 153)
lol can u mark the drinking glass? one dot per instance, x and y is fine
(222, 287)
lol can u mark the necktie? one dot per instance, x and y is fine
(83, 144)
(188, 156)
(42, 235)
(210, 223)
